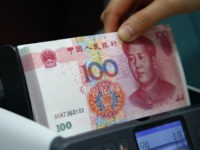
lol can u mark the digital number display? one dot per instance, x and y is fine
(168, 136)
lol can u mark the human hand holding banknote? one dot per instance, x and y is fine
(146, 13)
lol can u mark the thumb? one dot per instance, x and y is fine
(144, 19)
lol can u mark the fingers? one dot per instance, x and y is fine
(192, 5)
(114, 12)
(144, 19)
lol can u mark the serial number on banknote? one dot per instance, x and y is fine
(69, 113)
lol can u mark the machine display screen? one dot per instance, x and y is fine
(167, 136)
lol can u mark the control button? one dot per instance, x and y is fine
(109, 146)
(96, 148)
(123, 145)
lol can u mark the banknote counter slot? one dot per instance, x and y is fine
(143, 118)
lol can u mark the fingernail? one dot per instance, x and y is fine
(126, 33)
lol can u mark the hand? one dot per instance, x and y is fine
(146, 14)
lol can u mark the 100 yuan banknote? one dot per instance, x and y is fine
(84, 83)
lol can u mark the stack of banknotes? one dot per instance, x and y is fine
(90, 82)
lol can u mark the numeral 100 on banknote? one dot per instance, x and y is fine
(108, 68)
(63, 126)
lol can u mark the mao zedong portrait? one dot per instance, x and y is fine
(152, 89)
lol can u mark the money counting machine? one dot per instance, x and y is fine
(180, 127)
(177, 129)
